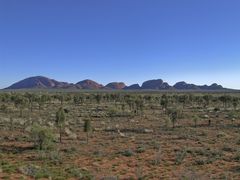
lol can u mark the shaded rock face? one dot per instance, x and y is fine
(88, 84)
(133, 87)
(157, 84)
(115, 85)
(39, 82)
(184, 86)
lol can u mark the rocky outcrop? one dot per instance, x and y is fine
(184, 86)
(88, 84)
(115, 85)
(41, 82)
(157, 84)
(133, 87)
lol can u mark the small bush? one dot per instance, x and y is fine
(78, 173)
(199, 162)
(127, 153)
(180, 157)
(238, 142)
(237, 156)
(55, 157)
(7, 167)
(227, 148)
(35, 171)
(75, 172)
(140, 149)
(42, 137)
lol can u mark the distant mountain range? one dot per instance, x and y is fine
(40, 82)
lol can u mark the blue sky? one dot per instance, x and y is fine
(121, 40)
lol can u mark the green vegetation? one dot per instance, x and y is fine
(42, 137)
(159, 132)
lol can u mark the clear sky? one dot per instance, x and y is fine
(121, 40)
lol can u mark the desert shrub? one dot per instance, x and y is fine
(42, 137)
(139, 173)
(127, 153)
(78, 173)
(190, 175)
(35, 171)
(157, 158)
(155, 144)
(195, 120)
(208, 155)
(7, 167)
(180, 156)
(238, 142)
(140, 149)
(228, 148)
(216, 109)
(75, 172)
(55, 157)
(71, 150)
(3, 108)
(112, 112)
(232, 116)
(237, 156)
(221, 135)
(110, 178)
(199, 162)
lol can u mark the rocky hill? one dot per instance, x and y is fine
(41, 82)
(184, 86)
(116, 85)
(89, 84)
(157, 84)
(133, 87)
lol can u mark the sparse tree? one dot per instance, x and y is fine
(232, 116)
(183, 99)
(41, 100)
(3, 108)
(206, 99)
(235, 102)
(164, 102)
(98, 98)
(173, 115)
(225, 99)
(60, 121)
(11, 124)
(87, 127)
(139, 106)
(195, 119)
(31, 98)
(20, 102)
